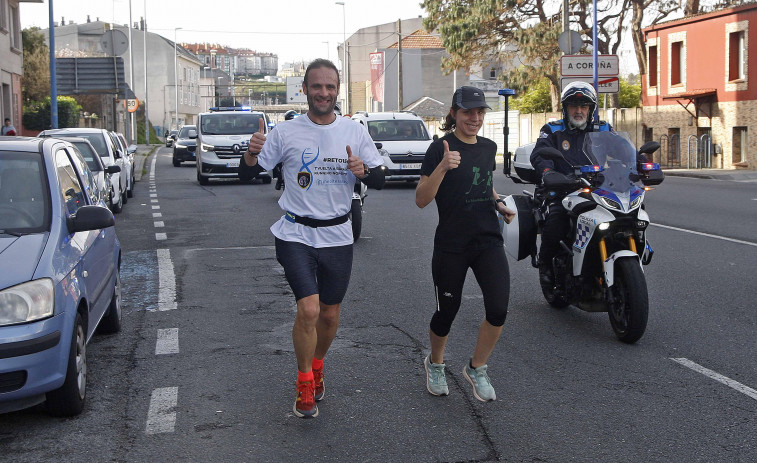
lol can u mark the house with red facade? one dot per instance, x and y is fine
(698, 96)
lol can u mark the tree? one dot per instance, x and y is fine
(37, 113)
(536, 99)
(35, 85)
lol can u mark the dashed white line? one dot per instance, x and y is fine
(733, 240)
(748, 391)
(161, 236)
(159, 224)
(161, 416)
(156, 215)
(155, 207)
(166, 281)
(153, 195)
(168, 341)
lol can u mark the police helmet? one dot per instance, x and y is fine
(579, 93)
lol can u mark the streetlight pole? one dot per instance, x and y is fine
(345, 78)
(144, 64)
(132, 132)
(176, 74)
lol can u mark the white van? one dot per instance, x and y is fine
(222, 138)
(404, 140)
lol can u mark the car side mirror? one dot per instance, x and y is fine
(117, 154)
(131, 149)
(90, 218)
(435, 137)
(379, 145)
(112, 169)
(192, 133)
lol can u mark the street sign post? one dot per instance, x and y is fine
(132, 105)
(583, 65)
(605, 84)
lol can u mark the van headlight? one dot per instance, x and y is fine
(27, 302)
(179, 145)
(207, 147)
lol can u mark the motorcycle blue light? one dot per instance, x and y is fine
(650, 166)
(590, 169)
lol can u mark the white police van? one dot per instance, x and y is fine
(222, 138)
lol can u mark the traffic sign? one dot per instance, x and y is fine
(132, 105)
(570, 42)
(583, 65)
(605, 84)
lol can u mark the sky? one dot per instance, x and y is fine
(294, 30)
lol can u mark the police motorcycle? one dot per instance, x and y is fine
(599, 267)
(358, 194)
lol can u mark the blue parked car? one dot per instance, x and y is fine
(59, 273)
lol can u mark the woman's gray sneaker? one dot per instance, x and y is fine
(436, 381)
(482, 387)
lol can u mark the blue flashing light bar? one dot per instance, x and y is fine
(591, 169)
(650, 166)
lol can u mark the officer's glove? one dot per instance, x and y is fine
(553, 178)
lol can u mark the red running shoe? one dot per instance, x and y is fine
(320, 390)
(304, 406)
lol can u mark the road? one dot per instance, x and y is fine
(204, 369)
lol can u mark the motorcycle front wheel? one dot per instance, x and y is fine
(629, 302)
(356, 216)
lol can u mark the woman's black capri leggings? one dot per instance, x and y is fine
(492, 274)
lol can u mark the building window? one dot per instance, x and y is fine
(739, 144)
(652, 71)
(493, 73)
(676, 63)
(4, 15)
(15, 29)
(736, 55)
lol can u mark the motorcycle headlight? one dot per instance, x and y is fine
(27, 302)
(611, 203)
(636, 202)
(604, 226)
(207, 147)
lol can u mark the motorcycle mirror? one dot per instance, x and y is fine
(655, 177)
(649, 147)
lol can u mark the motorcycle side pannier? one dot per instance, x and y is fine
(520, 234)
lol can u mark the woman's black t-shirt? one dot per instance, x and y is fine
(467, 216)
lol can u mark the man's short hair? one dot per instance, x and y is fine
(320, 63)
(7, 119)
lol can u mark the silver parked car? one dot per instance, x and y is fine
(110, 154)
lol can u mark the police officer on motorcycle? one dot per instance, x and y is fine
(579, 100)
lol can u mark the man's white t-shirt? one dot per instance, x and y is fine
(318, 182)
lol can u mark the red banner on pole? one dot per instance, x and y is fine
(377, 76)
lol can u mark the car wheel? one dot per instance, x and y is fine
(111, 322)
(130, 190)
(201, 179)
(68, 400)
(125, 196)
(117, 207)
(176, 162)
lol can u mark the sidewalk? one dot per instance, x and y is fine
(717, 174)
(140, 158)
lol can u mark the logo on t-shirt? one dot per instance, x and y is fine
(305, 175)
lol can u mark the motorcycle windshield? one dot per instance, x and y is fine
(615, 153)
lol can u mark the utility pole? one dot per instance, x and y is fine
(53, 78)
(131, 132)
(144, 53)
(399, 65)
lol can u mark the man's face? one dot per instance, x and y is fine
(578, 114)
(322, 89)
(7, 122)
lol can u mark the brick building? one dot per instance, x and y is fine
(699, 99)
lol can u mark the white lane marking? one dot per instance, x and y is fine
(717, 377)
(153, 200)
(161, 416)
(155, 207)
(733, 240)
(153, 195)
(155, 215)
(168, 341)
(152, 169)
(161, 236)
(159, 224)
(166, 281)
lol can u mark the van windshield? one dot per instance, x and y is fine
(237, 123)
(396, 130)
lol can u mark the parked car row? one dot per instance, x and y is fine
(60, 264)
(113, 151)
